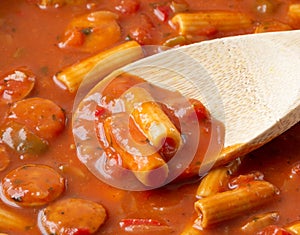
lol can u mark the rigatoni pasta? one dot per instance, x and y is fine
(148, 129)
(294, 12)
(272, 26)
(260, 221)
(230, 204)
(216, 180)
(213, 182)
(13, 221)
(101, 63)
(202, 23)
(150, 118)
(294, 228)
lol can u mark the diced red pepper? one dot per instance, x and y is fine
(162, 12)
(82, 231)
(274, 230)
(73, 38)
(77, 231)
(100, 112)
(131, 224)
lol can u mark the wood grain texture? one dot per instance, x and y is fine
(251, 83)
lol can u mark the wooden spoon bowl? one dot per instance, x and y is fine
(251, 83)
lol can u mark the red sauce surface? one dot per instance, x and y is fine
(29, 38)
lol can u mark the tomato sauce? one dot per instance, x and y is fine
(29, 39)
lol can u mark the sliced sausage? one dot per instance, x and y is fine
(72, 216)
(42, 116)
(32, 185)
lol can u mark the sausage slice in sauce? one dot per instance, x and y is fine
(32, 185)
(72, 216)
(42, 116)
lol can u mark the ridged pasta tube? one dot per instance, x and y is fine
(294, 13)
(216, 180)
(294, 228)
(260, 221)
(12, 221)
(200, 23)
(101, 63)
(150, 118)
(230, 204)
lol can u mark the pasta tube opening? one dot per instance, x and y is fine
(151, 120)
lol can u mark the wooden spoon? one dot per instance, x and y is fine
(251, 83)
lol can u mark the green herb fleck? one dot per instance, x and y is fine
(28, 228)
(87, 31)
(17, 199)
(44, 70)
(128, 38)
(166, 34)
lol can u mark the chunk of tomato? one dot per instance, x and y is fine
(162, 12)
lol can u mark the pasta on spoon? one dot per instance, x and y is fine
(195, 74)
(144, 132)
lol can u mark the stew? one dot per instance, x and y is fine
(46, 48)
